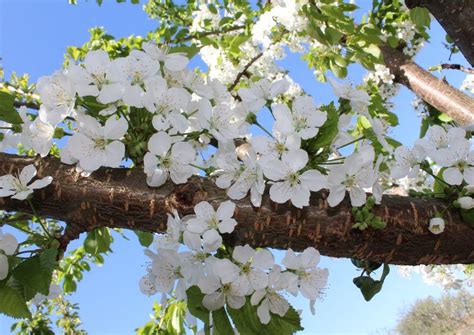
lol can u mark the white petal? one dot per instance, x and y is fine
(452, 176)
(358, 196)
(258, 279)
(41, 183)
(22, 195)
(310, 257)
(115, 129)
(225, 210)
(235, 301)
(313, 180)
(204, 210)
(3, 266)
(227, 226)
(296, 159)
(27, 173)
(226, 270)
(263, 312)
(8, 243)
(243, 254)
(281, 192)
(263, 259)
(213, 301)
(336, 195)
(159, 143)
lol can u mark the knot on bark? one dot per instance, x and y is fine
(185, 197)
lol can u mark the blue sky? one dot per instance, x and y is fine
(34, 35)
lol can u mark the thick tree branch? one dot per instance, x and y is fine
(434, 91)
(457, 19)
(120, 198)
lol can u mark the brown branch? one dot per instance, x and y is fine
(244, 70)
(120, 198)
(432, 90)
(457, 67)
(457, 19)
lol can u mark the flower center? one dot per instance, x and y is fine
(294, 178)
(100, 143)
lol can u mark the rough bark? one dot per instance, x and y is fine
(457, 19)
(121, 198)
(432, 90)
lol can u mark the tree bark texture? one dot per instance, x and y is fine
(120, 198)
(432, 90)
(457, 19)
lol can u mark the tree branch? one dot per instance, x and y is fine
(457, 67)
(434, 91)
(457, 19)
(120, 198)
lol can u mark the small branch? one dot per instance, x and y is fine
(245, 69)
(31, 105)
(457, 67)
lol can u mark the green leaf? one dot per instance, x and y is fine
(329, 130)
(145, 238)
(221, 322)
(439, 186)
(8, 112)
(35, 273)
(468, 216)
(370, 287)
(420, 16)
(13, 304)
(247, 322)
(98, 241)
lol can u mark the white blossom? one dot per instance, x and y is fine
(18, 188)
(436, 225)
(291, 183)
(166, 158)
(95, 145)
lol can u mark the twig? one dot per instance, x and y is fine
(31, 105)
(241, 73)
(457, 67)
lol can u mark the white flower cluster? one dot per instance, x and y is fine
(227, 276)
(448, 148)
(445, 276)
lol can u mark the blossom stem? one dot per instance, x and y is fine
(38, 217)
(351, 142)
(435, 176)
(198, 167)
(263, 128)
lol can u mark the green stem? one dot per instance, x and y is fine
(263, 128)
(351, 142)
(435, 177)
(38, 217)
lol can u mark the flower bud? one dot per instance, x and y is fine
(466, 202)
(436, 226)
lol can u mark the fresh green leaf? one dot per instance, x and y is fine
(247, 322)
(12, 303)
(35, 273)
(145, 238)
(420, 16)
(8, 112)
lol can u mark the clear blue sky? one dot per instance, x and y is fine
(34, 35)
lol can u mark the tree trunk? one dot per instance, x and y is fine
(457, 19)
(120, 198)
(432, 90)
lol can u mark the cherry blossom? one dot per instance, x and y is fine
(19, 187)
(291, 183)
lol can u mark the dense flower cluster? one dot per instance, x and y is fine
(226, 276)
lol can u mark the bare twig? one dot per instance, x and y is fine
(457, 67)
(245, 69)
